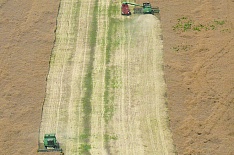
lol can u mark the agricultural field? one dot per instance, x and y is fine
(112, 84)
(105, 89)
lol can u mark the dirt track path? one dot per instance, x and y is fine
(105, 92)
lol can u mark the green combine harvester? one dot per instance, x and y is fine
(146, 8)
(50, 144)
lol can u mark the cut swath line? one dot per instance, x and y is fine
(97, 120)
(80, 56)
(88, 81)
(61, 81)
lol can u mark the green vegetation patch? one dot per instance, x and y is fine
(112, 43)
(108, 137)
(186, 24)
(181, 48)
(84, 149)
(111, 82)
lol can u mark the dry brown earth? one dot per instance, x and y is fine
(199, 74)
(27, 36)
(199, 80)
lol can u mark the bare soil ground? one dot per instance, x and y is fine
(198, 72)
(199, 65)
(27, 36)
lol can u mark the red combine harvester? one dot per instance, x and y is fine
(125, 9)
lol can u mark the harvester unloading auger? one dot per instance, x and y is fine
(146, 8)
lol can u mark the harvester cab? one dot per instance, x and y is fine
(147, 9)
(50, 141)
(50, 144)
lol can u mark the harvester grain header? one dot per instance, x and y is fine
(50, 144)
